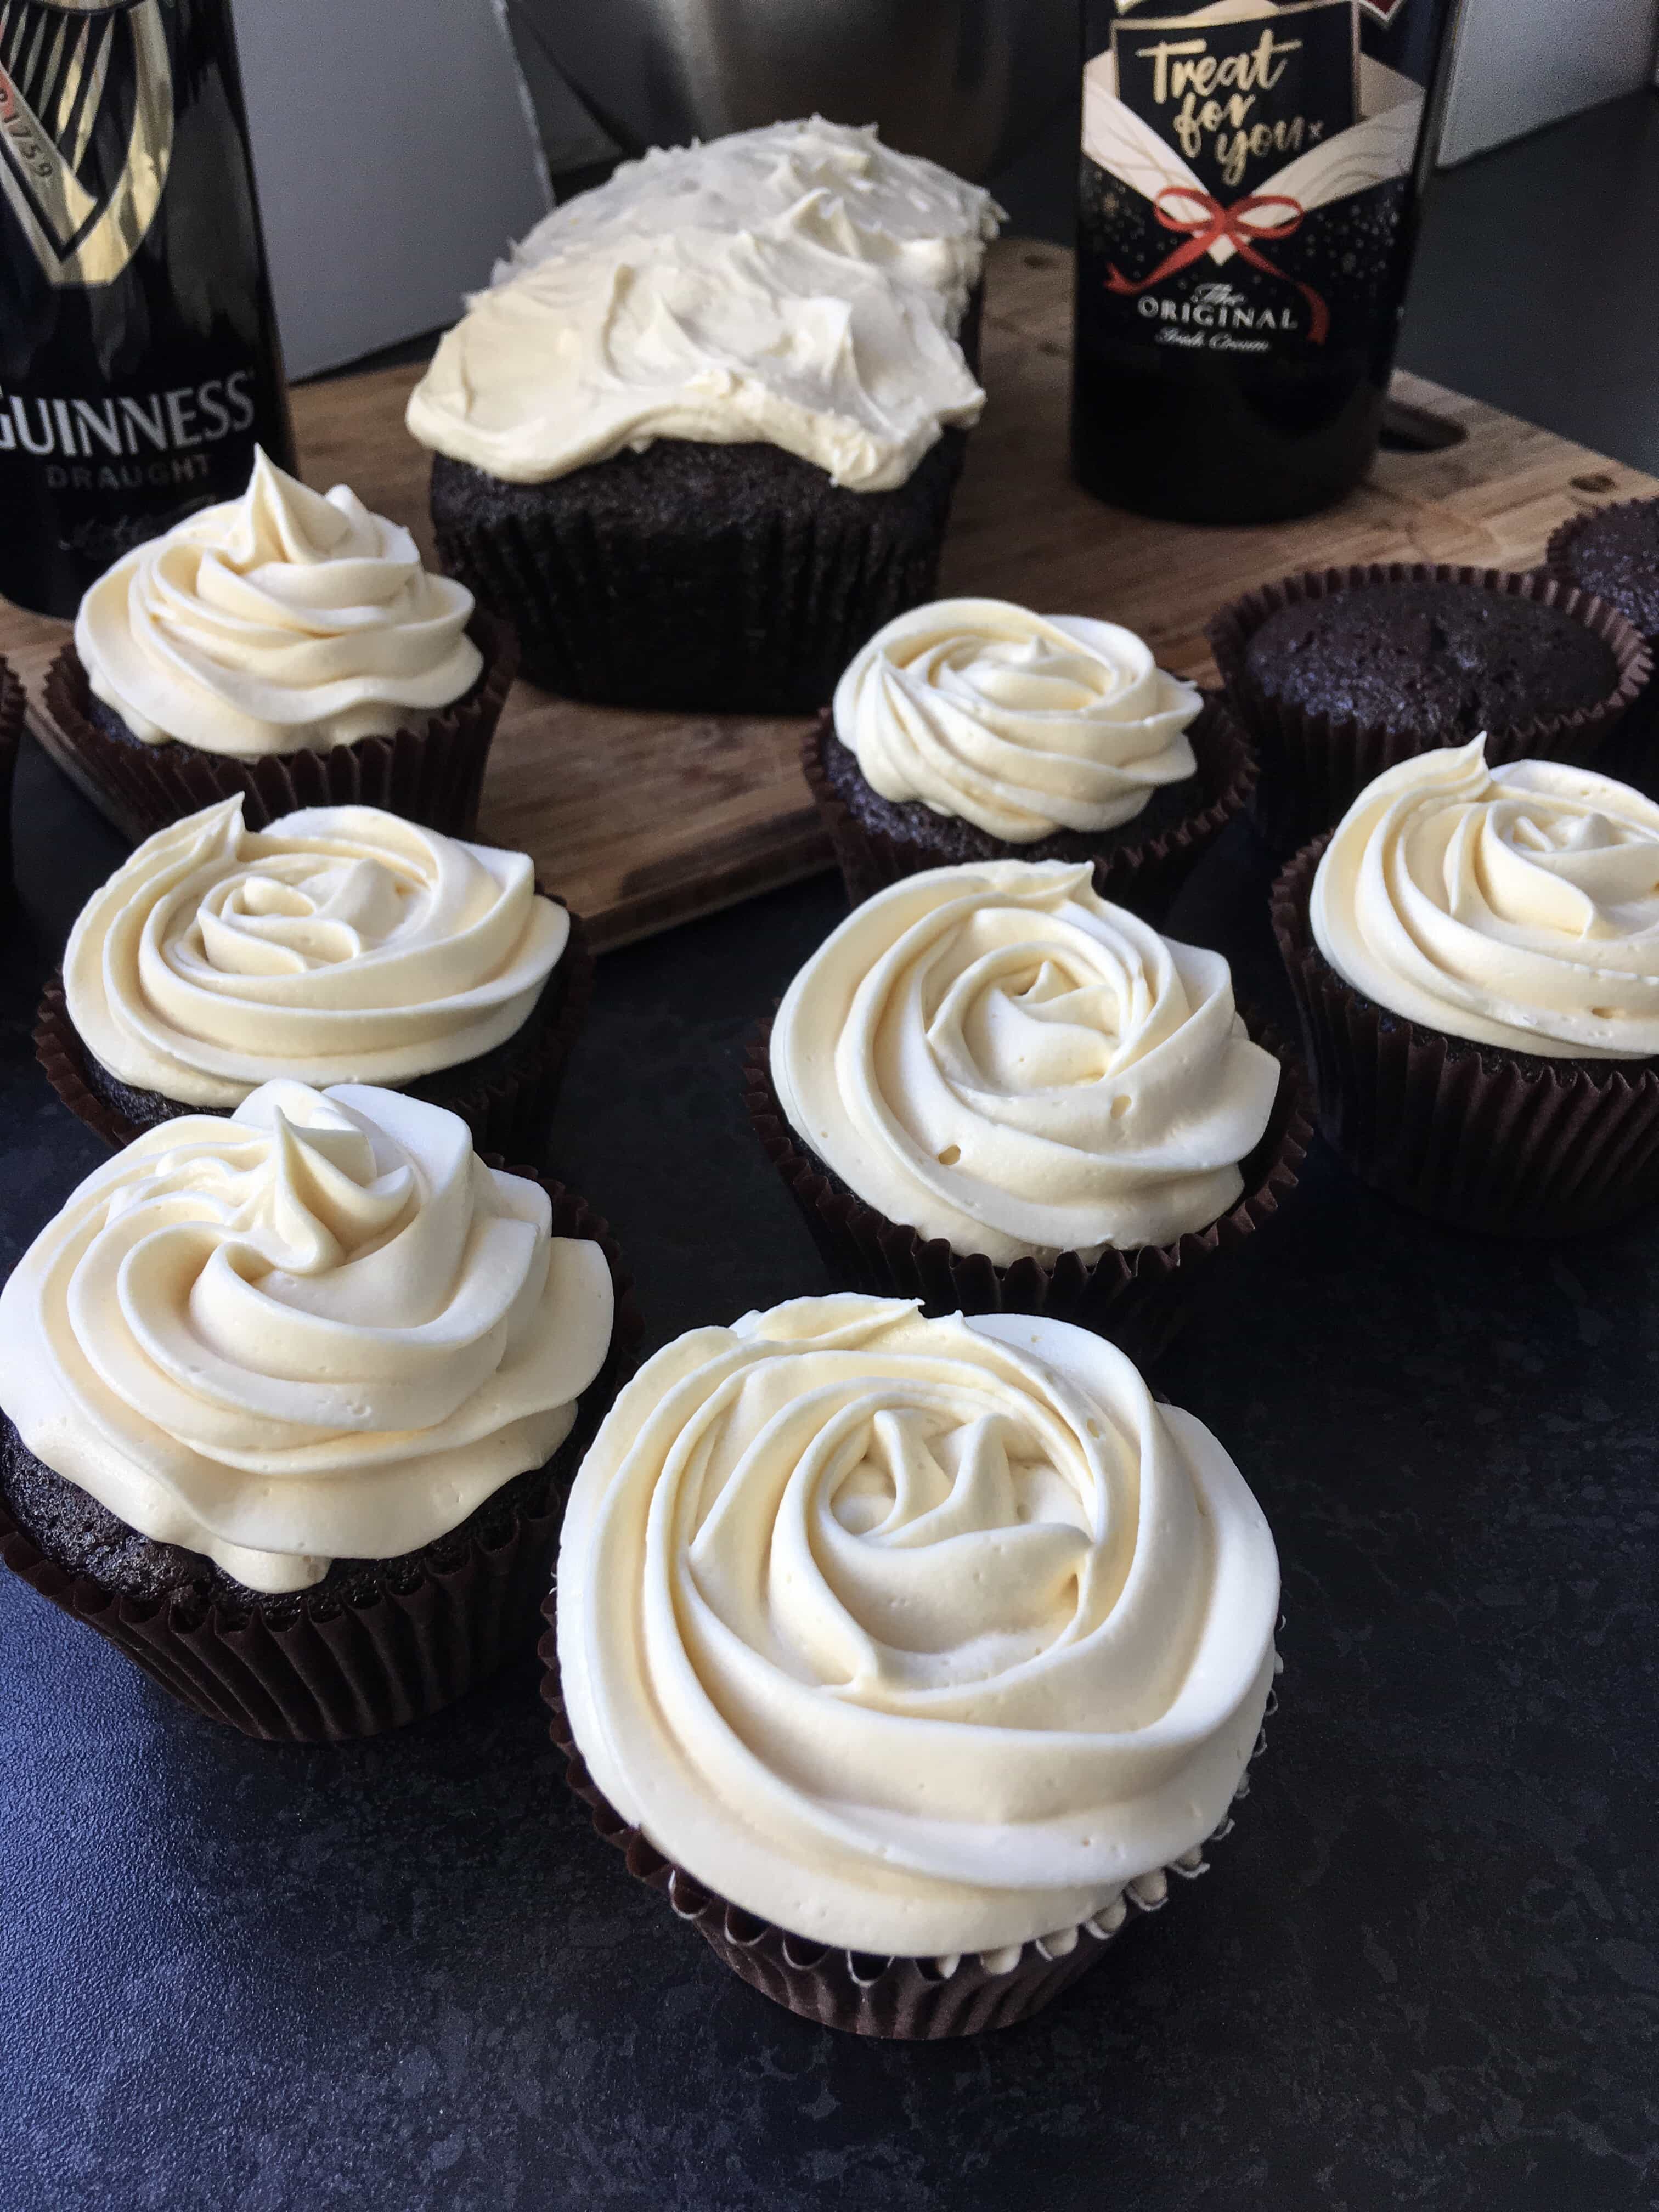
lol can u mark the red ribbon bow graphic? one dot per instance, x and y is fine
(1243, 225)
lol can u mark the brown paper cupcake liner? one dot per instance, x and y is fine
(348, 1667)
(12, 704)
(1314, 766)
(1509, 1143)
(432, 776)
(715, 579)
(1139, 1298)
(901, 1999)
(507, 1105)
(1143, 876)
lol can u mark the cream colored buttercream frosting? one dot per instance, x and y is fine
(1022, 724)
(917, 1637)
(281, 621)
(1515, 906)
(319, 1328)
(996, 1055)
(340, 945)
(800, 285)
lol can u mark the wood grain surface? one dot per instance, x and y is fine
(642, 820)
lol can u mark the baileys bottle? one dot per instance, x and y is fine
(1250, 176)
(139, 366)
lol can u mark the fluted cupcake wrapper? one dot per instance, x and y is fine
(432, 775)
(899, 1999)
(1509, 1143)
(507, 1111)
(1139, 1298)
(351, 1668)
(1314, 766)
(713, 598)
(12, 704)
(1143, 876)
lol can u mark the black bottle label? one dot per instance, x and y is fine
(1244, 171)
(138, 356)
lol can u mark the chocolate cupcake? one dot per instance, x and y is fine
(1475, 954)
(848, 1662)
(1337, 674)
(290, 1401)
(973, 729)
(286, 649)
(701, 439)
(1613, 552)
(339, 944)
(991, 1090)
(11, 730)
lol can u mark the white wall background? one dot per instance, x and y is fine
(1525, 63)
(394, 157)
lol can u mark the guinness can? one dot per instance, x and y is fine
(139, 363)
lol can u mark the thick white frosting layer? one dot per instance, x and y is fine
(799, 285)
(340, 945)
(281, 621)
(1022, 724)
(1515, 906)
(997, 1055)
(917, 1637)
(319, 1328)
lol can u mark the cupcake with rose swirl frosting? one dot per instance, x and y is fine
(992, 1090)
(337, 944)
(289, 1399)
(1474, 951)
(287, 645)
(975, 730)
(905, 1654)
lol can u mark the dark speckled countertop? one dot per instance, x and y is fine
(404, 1974)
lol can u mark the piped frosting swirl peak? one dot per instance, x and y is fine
(320, 1329)
(281, 621)
(996, 1055)
(1515, 906)
(340, 944)
(801, 286)
(1022, 724)
(917, 1637)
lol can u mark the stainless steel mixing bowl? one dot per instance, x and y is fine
(968, 83)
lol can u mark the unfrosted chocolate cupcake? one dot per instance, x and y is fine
(1340, 673)
(287, 649)
(312, 1479)
(701, 439)
(992, 1090)
(1614, 553)
(1475, 956)
(974, 730)
(886, 1562)
(338, 945)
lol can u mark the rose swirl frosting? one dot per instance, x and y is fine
(1515, 906)
(996, 1055)
(320, 1329)
(340, 944)
(1022, 724)
(919, 1637)
(281, 621)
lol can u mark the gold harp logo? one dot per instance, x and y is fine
(83, 178)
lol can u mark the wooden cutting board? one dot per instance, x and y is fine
(642, 820)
